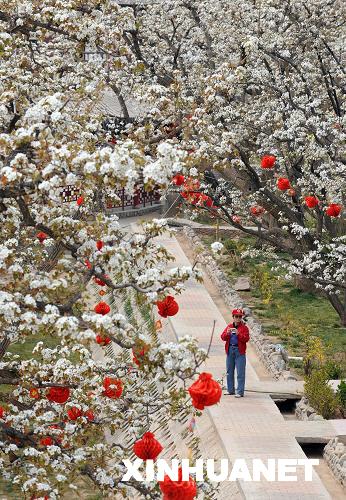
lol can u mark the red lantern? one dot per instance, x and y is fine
(204, 199)
(99, 244)
(87, 263)
(113, 387)
(178, 180)
(34, 393)
(205, 391)
(196, 198)
(99, 282)
(147, 448)
(58, 394)
(178, 490)
(257, 210)
(90, 415)
(191, 184)
(80, 201)
(311, 201)
(167, 307)
(102, 308)
(268, 161)
(209, 202)
(46, 441)
(101, 340)
(74, 413)
(2, 412)
(333, 210)
(283, 184)
(41, 236)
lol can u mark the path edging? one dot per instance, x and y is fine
(335, 455)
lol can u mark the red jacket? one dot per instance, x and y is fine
(243, 337)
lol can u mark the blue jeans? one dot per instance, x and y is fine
(238, 361)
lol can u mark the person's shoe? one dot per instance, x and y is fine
(239, 395)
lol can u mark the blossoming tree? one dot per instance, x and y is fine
(253, 91)
(72, 278)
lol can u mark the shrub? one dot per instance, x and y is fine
(334, 370)
(341, 394)
(320, 395)
(314, 354)
(265, 282)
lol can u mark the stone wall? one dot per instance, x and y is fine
(273, 356)
(304, 411)
(211, 231)
(335, 455)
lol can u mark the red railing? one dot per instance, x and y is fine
(140, 198)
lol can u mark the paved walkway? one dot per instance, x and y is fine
(249, 427)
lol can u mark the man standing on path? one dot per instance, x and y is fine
(236, 334)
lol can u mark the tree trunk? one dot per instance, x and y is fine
(339, 306)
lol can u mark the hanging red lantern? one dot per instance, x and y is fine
(311, 201)
(41, 236)
(209, 202)
(283, 184)
(113, 387)
(102, 308)
(90, 415)
(58, 394)
(333, 210)
(191, 184)
(74, 413)
(99, 244)
(80, 201)
(34, 393)
(87, 263)
(99, 282)
(102, 340)
(167, 307)
(2, 412)
(257, 210)
(205, 391)
(147, 448)
(46, 441)
(203, 200)
(178, 180)
(178, 490)
(268, 161)
(196, 198)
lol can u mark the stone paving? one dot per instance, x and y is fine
(249, 427)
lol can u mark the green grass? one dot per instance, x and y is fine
(288, 305)
(24, 350)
